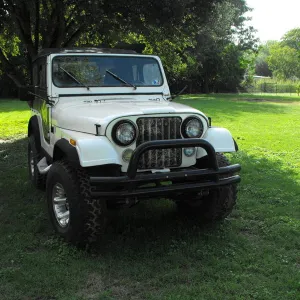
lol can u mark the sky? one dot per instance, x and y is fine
(273, 18)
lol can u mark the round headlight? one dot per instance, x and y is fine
(192, 128)
(124, 133)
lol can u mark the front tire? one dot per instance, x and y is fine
(217, 205)
(75, 215)
(36, 178)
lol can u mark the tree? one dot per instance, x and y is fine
(261, 64)
(284, 61)
(62, 23)
(195, 53)
(280, 59)
(292, 39)
(219, 47)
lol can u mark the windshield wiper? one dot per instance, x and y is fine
(74, 78)
(175, 96)
(120, 79)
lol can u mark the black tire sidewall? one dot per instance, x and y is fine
(58, 174)
(217, 205)
(87, 219)
(37, 179)
(220, 202)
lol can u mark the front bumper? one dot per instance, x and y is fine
(181, 181)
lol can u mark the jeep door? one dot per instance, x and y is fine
(40, 102)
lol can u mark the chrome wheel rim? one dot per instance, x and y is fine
(60, 205)
(31, 161)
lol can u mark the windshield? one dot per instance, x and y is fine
(98, 71)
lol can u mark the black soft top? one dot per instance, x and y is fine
(48, 51)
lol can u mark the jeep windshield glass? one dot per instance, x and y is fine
(91, 71)
(74, 78)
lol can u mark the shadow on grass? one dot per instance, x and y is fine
(269, 192)
(13, 105)
(267, 185)
(11, 156)
(149, 243)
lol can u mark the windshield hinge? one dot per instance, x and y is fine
(53, 99)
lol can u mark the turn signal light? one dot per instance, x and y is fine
(127, 155)
(73, 142)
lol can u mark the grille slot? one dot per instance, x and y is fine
(155, 129)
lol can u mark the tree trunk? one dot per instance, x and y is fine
(206, 87)
(11, 70)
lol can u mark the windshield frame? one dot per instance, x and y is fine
(107, 86)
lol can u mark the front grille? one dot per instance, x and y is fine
(154, 129)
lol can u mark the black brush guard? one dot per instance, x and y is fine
(183, 181)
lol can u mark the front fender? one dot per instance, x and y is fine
(220, 138)
(92, 150)
(96, 151)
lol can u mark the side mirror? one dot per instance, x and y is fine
(26, 93)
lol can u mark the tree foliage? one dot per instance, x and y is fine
(280, 59)
(200, 42)
(284, 61)
(62, 23)
(292, 39)
(219, 47)
(283, 58)
(261, 65)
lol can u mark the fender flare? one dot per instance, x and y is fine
(235, 145)
(221, 139)
(63, 149)
(33, 128)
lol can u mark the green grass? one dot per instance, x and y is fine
(149, 252)
(14, 117)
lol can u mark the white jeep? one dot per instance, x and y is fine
(104, 133)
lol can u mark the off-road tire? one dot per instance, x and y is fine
(217, 205)
(88, 215)
(37, 179)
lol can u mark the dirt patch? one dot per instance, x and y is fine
(247, 233)
(8, 141)
(93, 286)
(265, 100)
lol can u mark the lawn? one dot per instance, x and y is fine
(150, 252)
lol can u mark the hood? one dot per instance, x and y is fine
(83, 115)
